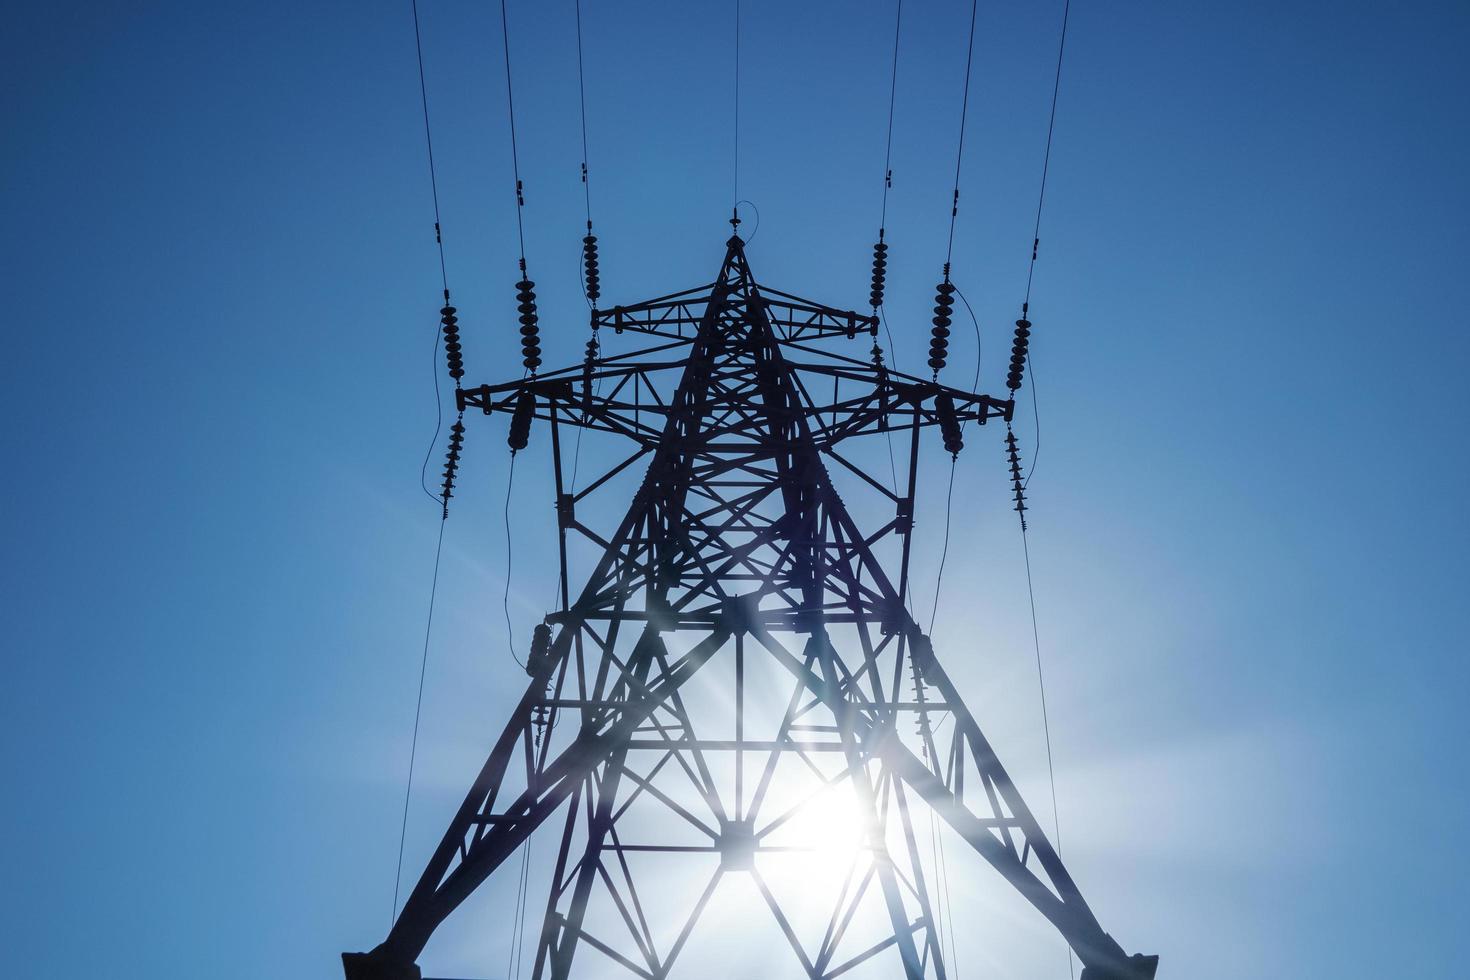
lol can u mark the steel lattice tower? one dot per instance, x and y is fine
(737, 556)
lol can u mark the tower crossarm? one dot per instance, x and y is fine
(840, 400)
(678, 315)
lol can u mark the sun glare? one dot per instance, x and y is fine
(820, 842)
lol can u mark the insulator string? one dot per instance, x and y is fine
(451, 461)
(939, 335)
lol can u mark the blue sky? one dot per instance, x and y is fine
(1248, 531)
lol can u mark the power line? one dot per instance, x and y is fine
(417, 713)
(525, 288)
(515, 959)
(880, 248)
(892, 98)
(1051, 124)
(756, 230)
(423, 470)
(954, 954)
(944, 291)
(1023, 328)
(944, 554)
(1036, 421)
(944, 913)
(1051, 773)
(515, 159)
(438, 424)
(591, 276)
(736, 167)
(510, 636)
(959, 156)
(582, 101)
(942, 866)
(949, 495)
(418, 46)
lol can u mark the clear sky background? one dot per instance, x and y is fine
(1248, 528)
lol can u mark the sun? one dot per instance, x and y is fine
(824, 836)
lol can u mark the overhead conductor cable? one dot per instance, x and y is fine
(1020, 361)
(525, 288)
(944, 292)
(880, 248)
(591, 275)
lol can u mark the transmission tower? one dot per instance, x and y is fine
(737, 559)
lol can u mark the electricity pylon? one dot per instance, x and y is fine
(737, 560)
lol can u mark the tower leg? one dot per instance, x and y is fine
(378, 965)
(892, 896)
(597, 829)
(1137, 967)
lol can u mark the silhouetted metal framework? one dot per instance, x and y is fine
(736, 546)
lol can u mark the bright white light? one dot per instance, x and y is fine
(819, 847)
(831, 825)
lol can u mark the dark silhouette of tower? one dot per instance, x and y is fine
(737, 567)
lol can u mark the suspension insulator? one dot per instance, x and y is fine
(949, 425)
(538, 663)
(880, 273)
(540, 649)
(589, 263)
(451, 461)
(922, 727)
(939, 338)
(587, 365)
(452, 353)
(530, 330)
(1018, 483)
(520, 421)
(1018, 354)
